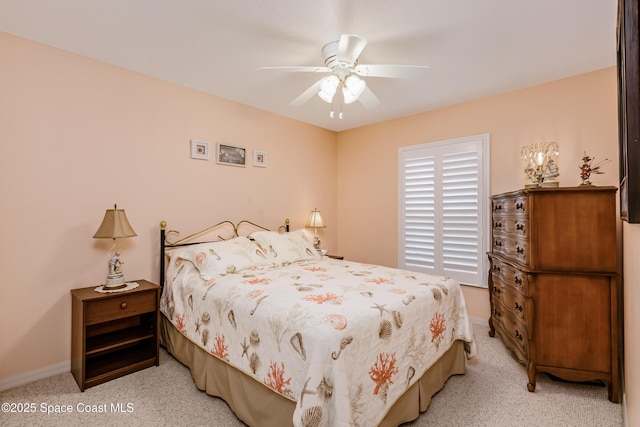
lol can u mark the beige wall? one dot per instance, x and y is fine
(77, 136)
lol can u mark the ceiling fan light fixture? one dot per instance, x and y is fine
(328, 88)
(353, 88)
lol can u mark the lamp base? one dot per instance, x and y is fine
(115, 281)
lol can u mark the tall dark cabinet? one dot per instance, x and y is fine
(628, 50)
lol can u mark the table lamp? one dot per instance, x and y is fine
(114, 225)
(315, 222)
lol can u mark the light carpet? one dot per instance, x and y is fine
(492, 393)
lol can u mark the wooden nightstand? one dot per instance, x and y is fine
(113, 334)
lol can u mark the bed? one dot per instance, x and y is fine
(288, 337)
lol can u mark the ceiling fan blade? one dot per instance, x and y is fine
(368, 99)
(350, 48)
(303, 69)
(307, 94)
(391, 71)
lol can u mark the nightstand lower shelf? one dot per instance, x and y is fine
(106, 371)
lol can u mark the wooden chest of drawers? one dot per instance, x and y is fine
(552, 282)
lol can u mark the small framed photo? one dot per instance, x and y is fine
(199, 149)
(231, 155)
(260, 158)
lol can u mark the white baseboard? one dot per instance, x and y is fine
(38, 374)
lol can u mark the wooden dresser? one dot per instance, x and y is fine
(552, 282)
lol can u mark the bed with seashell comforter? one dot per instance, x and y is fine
(287, 337)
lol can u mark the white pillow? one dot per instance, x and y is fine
(225, 257)
(285, 248)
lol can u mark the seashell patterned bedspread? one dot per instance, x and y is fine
(342, 339)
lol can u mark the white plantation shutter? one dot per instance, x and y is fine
(443, 201)
(419, 215)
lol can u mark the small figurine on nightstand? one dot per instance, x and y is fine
(587, 169)
(115, 279)
(115, 263)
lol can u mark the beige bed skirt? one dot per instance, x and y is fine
(257, 405)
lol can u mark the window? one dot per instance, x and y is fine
(443, 218)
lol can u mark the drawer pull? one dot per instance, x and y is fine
(497, 208)
(519, 227)
(498, 243)
(123, 305)
(519, 335)
(496, 290)
(497, 313)
(520, 206)
(496, 268)
(520, 250)
(519, 307)
(498, 225)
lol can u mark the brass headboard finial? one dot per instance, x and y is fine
(163, 225)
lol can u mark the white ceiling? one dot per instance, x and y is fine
(475, 48)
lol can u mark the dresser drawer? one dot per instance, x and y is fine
(513, 331)
(510, 226)
(511, 299)
(124, 305)
(514, 205)
(513, 248)
(509, 276)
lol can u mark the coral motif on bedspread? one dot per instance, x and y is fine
(343, 340)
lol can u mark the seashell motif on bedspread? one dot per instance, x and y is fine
(397, 318)
(298, 346)
(385, 329)
(410, 374)
(311, 417)
(315, 329)
(338, 321)
(254, 338)
(232, 318)
(205, 337)
(254, 362)
(206, 318)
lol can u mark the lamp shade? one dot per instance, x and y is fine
(315, 220)
(114, 225)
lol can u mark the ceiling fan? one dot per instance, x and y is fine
(341, 61)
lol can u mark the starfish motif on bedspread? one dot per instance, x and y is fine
(380, 307)
(245, 348)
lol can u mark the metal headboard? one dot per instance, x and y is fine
(192, 239)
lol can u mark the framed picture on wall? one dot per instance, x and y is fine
(260, 158)
(199, 149)
(231, 155)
